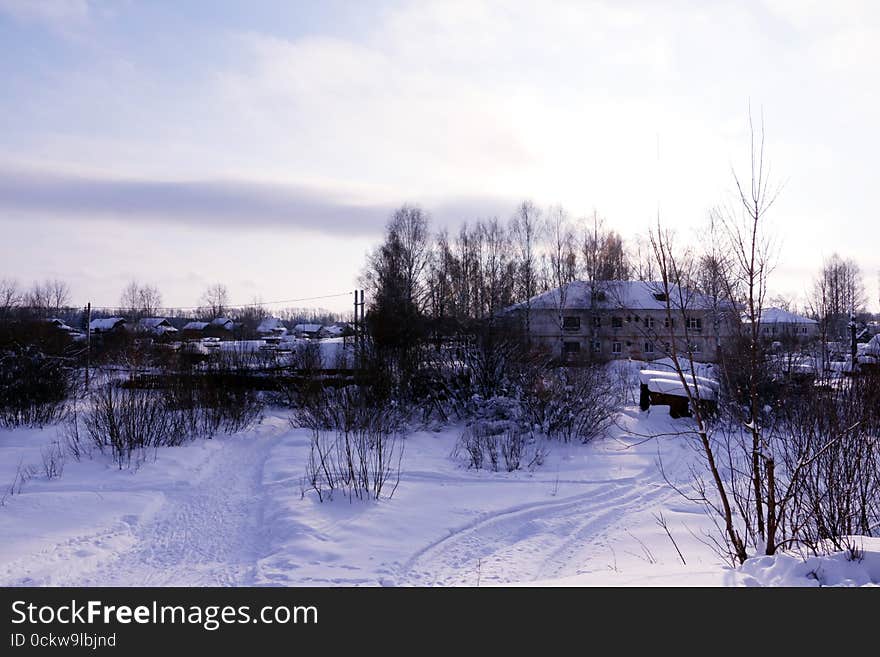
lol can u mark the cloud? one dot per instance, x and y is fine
(63, 16)
(233, 204)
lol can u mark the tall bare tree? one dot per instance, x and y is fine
(215, 299)
(753, 255)
(10, 297)
(139, 301)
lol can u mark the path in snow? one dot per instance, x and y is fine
(207, 532)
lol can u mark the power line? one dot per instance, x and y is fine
(252, 304)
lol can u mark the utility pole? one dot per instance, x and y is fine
(88, 341)
(853, 348)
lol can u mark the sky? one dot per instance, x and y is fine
(264, 144)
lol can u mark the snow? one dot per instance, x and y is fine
(668, 386)
(230, 511)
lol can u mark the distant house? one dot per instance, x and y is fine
(776, 323)
(309, 330)
(222, 328)
(108, 325)
(338, 329)
(59, 325)
(156, 326)
(194, 330)
(222, 323)
(272, 327)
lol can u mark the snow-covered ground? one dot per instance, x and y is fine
(229, 511)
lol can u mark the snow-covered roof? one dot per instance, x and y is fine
(337, 329)
(670, 387)
(872, 348)
(156, 325)
(106, 323)
(59, 324)
(645, 376)
(308, 328)
(271, 325)
(195, 326)
(154, 322)
(629, 295)
(222, 322)
(780, 316)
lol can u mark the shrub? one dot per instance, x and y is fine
(33, 388)
(486, 445)
(572, 403)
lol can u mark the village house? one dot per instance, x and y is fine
(194, 330)
(157, 327)
(777, 323)
(271, 327)
(107, 325)
(624, 319)
(309, 330)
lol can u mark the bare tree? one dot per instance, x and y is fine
(841, 290)
(753, 257)
(525, 230)
(139, 301)
(215, 299)
(10, 297)
(603, 256)
(47, 298)
(674, 274)
(562, 261)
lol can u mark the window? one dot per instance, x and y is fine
(649, 322)
(615, 348)
(773, 330)
(668, 321)
(597, 321)
(695, 323)
(571, 323)
(616, 322)
(597, 346)
(767, 329)
(571, 347)
(803, 329)
(649, 347)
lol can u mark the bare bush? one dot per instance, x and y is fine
(53, 457)
(358, 464)
(572, 403)
(126, 422)
(346, 409)
(487, 446)
(33, 388)
(23, 474)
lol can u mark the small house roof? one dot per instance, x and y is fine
(781, 316)
(308, 328)
(222, 322)
(154, 322)
(271, 325)
(195, 326)
(106, 324)
(59, 324)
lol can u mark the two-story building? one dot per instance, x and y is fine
(625, 319)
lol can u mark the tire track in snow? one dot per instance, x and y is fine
(535, 541)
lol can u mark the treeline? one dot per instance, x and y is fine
(52, 299)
